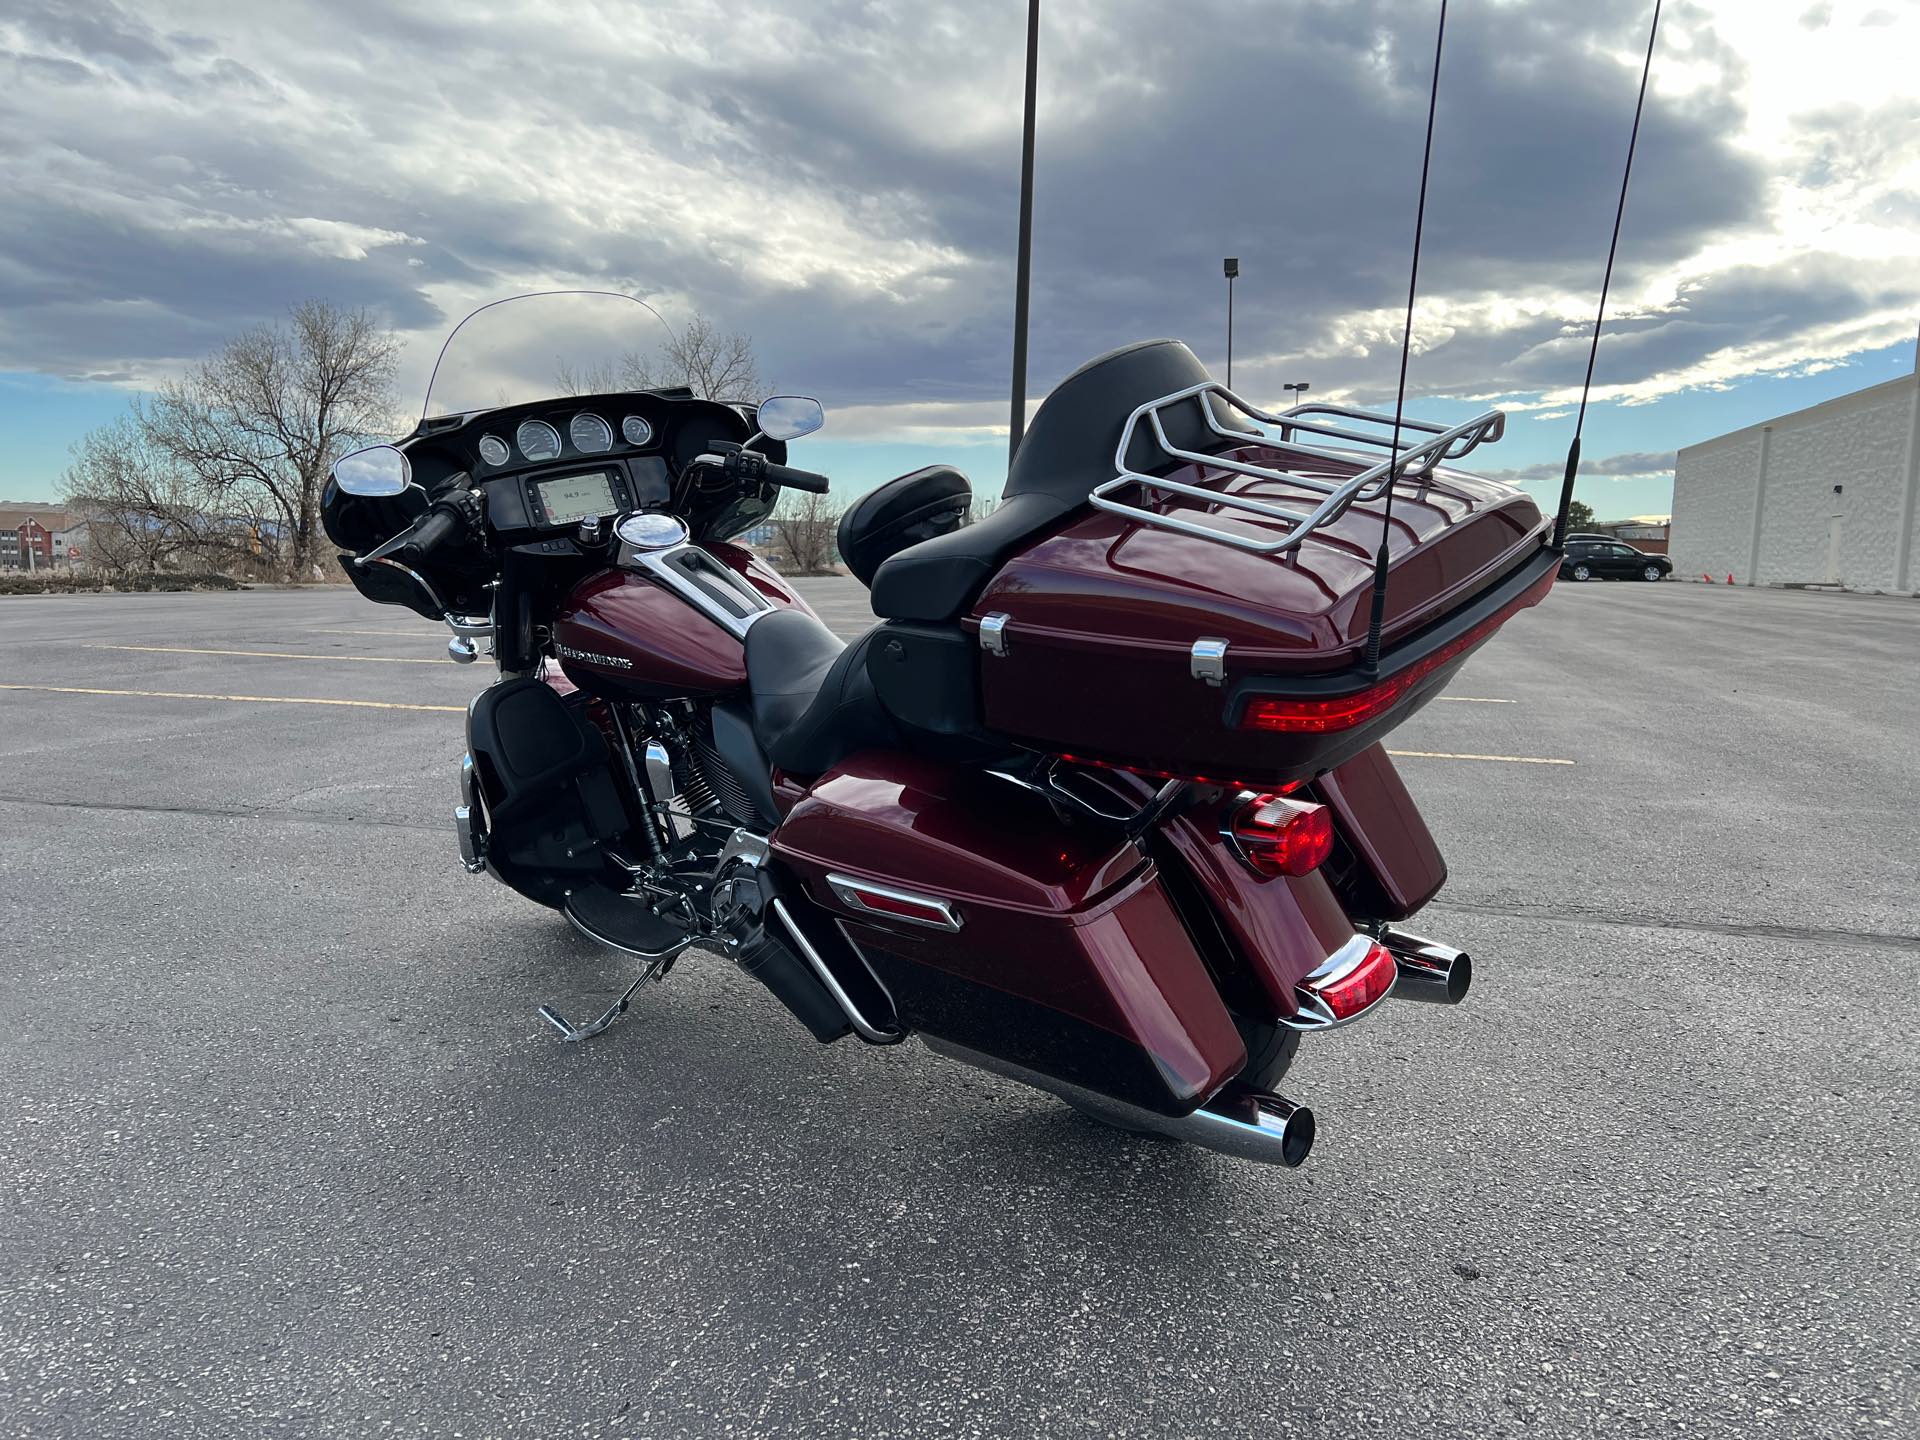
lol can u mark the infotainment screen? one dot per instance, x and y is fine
(576, 497)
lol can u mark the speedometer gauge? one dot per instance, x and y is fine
(636, 430)
(590, 434)
(494, 450)
(537, 440)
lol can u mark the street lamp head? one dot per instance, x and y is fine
(1231, 265)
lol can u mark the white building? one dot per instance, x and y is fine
(1825, 495)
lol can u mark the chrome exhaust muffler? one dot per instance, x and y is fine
(1432, 973)
(1263, 1128)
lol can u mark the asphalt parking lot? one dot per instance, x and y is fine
(285, 1151)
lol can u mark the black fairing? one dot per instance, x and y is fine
(549, 791)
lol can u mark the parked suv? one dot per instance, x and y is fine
(1601, 557)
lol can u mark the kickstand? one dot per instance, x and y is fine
(570, 1031)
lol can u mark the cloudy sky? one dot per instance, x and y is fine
(837, 177)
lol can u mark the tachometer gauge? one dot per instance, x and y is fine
(494, 450)
(537, 440)
(636, 429)
(590, 434)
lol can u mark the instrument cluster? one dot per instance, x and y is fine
(537, 442)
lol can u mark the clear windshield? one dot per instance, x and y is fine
(538, 347)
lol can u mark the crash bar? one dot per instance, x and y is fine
(1417, 461)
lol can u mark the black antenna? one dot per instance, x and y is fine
(1023, 275)
(1406, 345)
(1593, 351)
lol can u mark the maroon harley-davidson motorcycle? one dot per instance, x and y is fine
(1100, 802)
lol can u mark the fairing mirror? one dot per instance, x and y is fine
(788, 417)
(376, 472)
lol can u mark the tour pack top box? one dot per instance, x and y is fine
(1219, 592)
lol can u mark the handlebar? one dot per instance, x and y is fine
(794, 479)
(739, 463)
(440, 524)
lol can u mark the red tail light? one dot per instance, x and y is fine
(1277, 836)
(1319, 716)
(1352, 990)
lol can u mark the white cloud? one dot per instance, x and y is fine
(838, 178)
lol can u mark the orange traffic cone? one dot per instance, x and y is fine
(1729, 577)
(1708, 579)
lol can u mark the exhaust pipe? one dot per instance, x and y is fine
(1432, 973)
(1252, 1126)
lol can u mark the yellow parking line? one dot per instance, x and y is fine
(242, 699)
(461, 709)
(415, 634)
(267, 654)
(1503, 759)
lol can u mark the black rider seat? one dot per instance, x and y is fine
(812, 700)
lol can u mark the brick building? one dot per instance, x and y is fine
(1826, 495)
(40, 537)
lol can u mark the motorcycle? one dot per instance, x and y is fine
(1098, 804)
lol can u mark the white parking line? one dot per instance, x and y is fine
(1502, 759)
(1474, 700)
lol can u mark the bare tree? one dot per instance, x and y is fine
(256, 428)
(804, 532)
(143, 511)
(714, 366)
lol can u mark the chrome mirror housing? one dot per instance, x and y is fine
(788, 417)
(378, 471)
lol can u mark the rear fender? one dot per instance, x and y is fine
(1272, 930)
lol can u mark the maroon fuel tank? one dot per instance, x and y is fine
(624, 633)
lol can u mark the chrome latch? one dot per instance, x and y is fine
(1208, 661)
(993, 633)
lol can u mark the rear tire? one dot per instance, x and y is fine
(1270, 1052)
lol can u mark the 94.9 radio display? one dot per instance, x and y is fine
(576, 497)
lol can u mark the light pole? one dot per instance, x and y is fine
(1299, 389)
(1023, 274)
(1231, 265)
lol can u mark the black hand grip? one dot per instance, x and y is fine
(440, 526)
(794, 479)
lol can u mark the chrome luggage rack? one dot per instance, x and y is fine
(1412, 462)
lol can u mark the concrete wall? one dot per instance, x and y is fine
(1714, 485)
(1759, 504)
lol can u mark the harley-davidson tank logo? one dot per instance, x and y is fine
(593, 657)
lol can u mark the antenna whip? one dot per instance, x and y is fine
(1606, 281)
(1406, 345)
